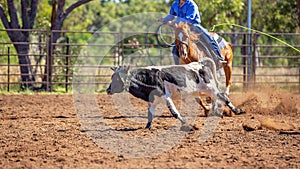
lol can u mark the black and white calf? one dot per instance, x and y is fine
(147, 82)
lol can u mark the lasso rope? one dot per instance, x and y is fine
(231, 24)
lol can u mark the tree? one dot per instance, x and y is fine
(58, 16)
(20, 38)
(298, 6)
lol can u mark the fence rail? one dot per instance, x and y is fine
(54, 64)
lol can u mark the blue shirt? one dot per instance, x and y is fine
(187, 13)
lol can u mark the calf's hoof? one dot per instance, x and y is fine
(148, 126)
(182, 120)
(217, 114)
(239, 112)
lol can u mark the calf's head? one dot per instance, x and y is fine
(118, 79)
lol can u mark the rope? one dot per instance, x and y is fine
(240, 26)
(142, 84)
(158, 32)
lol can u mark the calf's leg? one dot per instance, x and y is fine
(151, 111)
(171, 106)
(228, 103)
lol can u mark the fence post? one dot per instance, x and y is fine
(254, 57)
(161, 56)
(49, 63)
(122, 52)
(67, 64)
(244, 54)
(48, 60)
(120, 48)
(8, 68)
(249, 60)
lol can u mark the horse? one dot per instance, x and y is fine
(186, 43)
(188, 50)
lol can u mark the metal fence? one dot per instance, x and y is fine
(269, 63)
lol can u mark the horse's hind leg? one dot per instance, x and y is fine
(206, 105)
(228, 54)
(228, 73)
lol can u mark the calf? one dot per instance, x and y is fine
(147, 82)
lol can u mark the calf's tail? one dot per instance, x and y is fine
(213, 68)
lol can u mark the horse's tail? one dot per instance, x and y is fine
(213, 68)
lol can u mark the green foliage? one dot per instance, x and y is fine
(43, 17)
(220, 11)
(121, 16)
(275, 16)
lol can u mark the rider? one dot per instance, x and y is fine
(187, 11)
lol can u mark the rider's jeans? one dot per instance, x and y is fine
(175, 55)
(206, 41)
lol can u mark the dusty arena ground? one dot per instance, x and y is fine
(45, 131)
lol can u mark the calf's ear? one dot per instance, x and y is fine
(114, 68)
(126, 68)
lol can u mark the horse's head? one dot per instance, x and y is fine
(182, 38)
(185, 40)
(118, 80)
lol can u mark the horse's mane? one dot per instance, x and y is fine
(186, 29)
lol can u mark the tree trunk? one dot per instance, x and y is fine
(59, 14)
(25, 66)
(298, 12)
(28, 14)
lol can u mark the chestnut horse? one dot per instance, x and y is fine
(186, 44)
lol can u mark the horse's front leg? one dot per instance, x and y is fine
(206, 105)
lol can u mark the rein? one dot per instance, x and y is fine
(188, 46)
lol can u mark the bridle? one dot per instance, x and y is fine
(181, 44)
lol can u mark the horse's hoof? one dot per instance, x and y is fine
(206, 112)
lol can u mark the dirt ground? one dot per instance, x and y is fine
(45, 131)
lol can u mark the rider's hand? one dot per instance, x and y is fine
(170, 23)
(161, 20)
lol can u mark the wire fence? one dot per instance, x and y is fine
(52, 65)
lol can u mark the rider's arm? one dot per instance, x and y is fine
(171, 16)
(191, 14)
